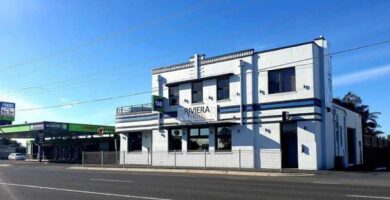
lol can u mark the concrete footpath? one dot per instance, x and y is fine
(194, 171)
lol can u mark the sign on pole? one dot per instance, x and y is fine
(40, 138)
(158, 103)
(7, 111)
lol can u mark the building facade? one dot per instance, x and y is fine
(252, 109)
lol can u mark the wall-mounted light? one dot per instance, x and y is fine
(238, 94)
(268, 130)
(211, 98)
(307, 87)
(186, 100)
(262, 92)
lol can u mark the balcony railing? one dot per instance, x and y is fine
(134, 109)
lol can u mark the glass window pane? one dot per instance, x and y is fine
(273, 82)
(224, 143)
(204, 131)
(224, 131)
(281, 80)
(175, 137)
(288, 79)
(194, 132)
(134, 141)
(197, 92)
(174, 95)
(199, 143)
(224, 138)
(223, 88)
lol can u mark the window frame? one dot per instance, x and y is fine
(228, 88)
(170, 131)
(170, 95)
(198, 91)
(198, 136)
(280, 80)
(223, 136)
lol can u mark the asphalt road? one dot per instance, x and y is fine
(26, 181)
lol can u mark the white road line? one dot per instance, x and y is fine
(366, 197)
(327, 183)
(5, 165)
(236, 178)
(83, 192)
(111, 180)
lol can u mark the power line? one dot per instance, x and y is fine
(84, 79)
(108, 71)
(330, 54)
(105, 37)
(146, 92)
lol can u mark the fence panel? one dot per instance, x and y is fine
(265, 158)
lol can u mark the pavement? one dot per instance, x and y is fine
(192, 171)
(22, 181)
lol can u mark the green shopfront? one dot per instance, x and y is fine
(63, 142)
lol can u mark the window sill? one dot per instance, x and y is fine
(197, 103)
(197, 152)
(282, 93)
(223, 152)
(137, 152)
(177, 152)
(223, 100)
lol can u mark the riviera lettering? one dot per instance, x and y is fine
(197, 110)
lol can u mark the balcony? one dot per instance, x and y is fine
(142, 108)
(136, 118)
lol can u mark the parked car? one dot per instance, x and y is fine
(16, 156)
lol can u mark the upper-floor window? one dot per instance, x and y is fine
(174, 95)
(281, 80)
(223, 88)
(197, 92)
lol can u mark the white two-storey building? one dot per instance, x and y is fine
(249, 109)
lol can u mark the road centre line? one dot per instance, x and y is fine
(326, 183)
(83, 191)
(111, 180)
(366, 197)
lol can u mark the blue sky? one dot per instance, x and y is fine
(55, 52)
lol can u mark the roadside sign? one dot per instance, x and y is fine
(158, 103)
(40, 138)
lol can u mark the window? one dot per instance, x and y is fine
(281, 80)
(197, 92)
(223, 88)
(223, 141)
(174, 142)
(198, 139)
(134, 142)
(174, 95)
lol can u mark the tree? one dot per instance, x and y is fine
(353, 102)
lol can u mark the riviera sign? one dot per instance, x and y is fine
(197, 114)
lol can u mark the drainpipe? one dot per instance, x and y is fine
(241, 91)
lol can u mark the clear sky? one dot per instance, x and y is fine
(55, 52)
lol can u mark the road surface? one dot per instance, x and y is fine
(27, 181)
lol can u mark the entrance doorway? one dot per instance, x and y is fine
(351, 146)
(289, 145)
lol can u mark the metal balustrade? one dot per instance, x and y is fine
(134, 109)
